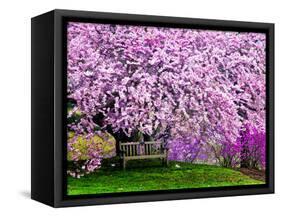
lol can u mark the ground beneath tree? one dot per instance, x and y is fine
(254, 173)
(151, 175)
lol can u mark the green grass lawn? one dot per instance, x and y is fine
(150, 175)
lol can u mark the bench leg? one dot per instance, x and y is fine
(124, 164)
(167, 160)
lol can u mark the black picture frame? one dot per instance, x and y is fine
(48, 107)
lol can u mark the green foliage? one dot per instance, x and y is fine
(106, 142)
(80, 145)
(150, 175)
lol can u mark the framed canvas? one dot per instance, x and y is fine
(134, 108)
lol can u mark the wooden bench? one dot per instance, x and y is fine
(142, 150)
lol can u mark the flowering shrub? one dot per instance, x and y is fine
(248, 151)
(184, 149)
(84, 155)
(252, 144)
(227, 154)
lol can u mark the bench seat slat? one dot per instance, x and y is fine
(145, 157)
(137, 143)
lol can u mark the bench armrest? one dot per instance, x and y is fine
(122, 153)
(164, 148)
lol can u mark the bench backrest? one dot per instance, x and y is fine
(141, 149)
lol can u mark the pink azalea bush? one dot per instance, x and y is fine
(200, 85)
(252, 144)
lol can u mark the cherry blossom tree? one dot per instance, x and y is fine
(197, 85)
